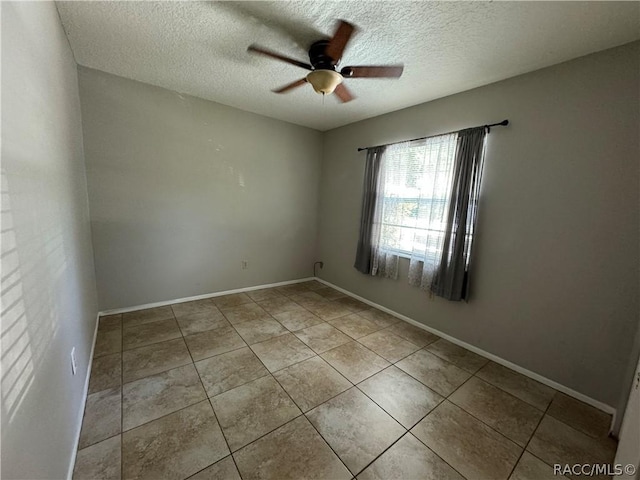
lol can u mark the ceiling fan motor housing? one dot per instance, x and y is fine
(318, 56)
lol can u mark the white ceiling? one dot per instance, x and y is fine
(199, 48)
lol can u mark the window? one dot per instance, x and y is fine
(414, 191)
(420, 201)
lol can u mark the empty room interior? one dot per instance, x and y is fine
(320, 240)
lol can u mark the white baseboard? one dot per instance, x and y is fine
(201, 297)
(84, 401)
(527, 373)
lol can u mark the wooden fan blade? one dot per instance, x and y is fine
(373, 71)
(277, 56)
(343, 93)
(339, 41)
(291, 86)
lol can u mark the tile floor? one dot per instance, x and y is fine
(302, 381)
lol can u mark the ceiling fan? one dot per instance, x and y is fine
(324, 57)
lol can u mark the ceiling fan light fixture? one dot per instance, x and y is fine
(324, 81)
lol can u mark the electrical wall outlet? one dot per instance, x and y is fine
(74, 367)
(244, 264)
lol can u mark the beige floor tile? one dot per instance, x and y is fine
(434, 372)
(245, 313)
(146, 316)
(355, 361)
(510, 416)
(157, 395)
(329, 293)
(106, 372)
(175, 446)
(201, 322)
(148, 333)
(352, 304)
(409, 459)
(308, 304)
(525, 388)
(293, 451)
(314, 285)
(232, 300)
(280, 352)
(307, 298)
(556, 442)
(354, 325)
(196, 307)
(263, 294)
(311, 382)
(255, 331)
(152, 359)
(108, 340)
(110, 321)
(479, 430)
(224, 469)
(388, 345)
(99, 461)
(230, 370)
(322, 337)
(252, 410)
(414, 334)
(293, 289)
(356, 428)
(279, 305)
(467, 444)
(380, 318)
(298, 319)
(580, 416)
(213, 342)
(460, 357)
(328, 310)
(102, 417)
(532, 468)
(401, 396)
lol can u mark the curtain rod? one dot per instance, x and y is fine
(503, 123)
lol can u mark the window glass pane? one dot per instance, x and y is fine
(416, 182)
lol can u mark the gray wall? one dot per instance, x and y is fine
(48, 287)
(182, 190)
(555, 285)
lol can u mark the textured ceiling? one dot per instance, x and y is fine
(199, 48)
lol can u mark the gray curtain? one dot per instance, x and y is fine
(369, 195)
(451, 280)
